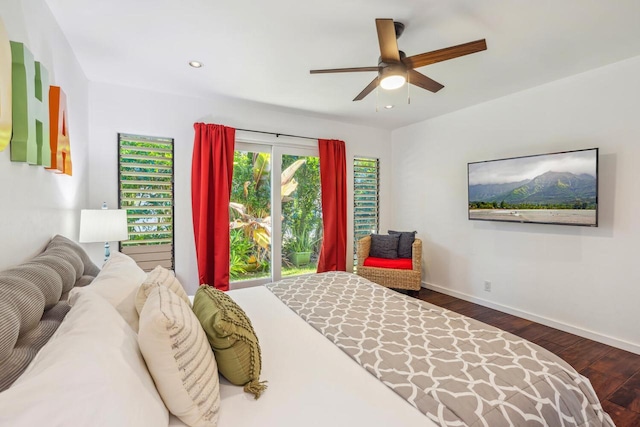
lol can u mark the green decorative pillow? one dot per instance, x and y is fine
(232, 338)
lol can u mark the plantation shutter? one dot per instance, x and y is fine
(366, 183)
(145, 175)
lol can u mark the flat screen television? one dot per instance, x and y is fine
(554, 188)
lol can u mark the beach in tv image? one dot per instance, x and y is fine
(556, 188)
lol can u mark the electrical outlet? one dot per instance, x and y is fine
(487, 286)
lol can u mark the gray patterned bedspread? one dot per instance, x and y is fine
(455, 370)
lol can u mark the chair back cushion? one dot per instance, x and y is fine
(384, 246)
(405, 243)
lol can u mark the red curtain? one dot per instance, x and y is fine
(333, 181)
(211, 176)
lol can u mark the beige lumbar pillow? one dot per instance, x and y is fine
(179, 358)
(160, 276)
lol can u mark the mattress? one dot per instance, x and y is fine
(311, 381)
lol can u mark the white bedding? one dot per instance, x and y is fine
(311, 381)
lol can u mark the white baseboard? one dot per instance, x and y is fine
(615, 342)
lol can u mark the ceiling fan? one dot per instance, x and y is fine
(395, 68)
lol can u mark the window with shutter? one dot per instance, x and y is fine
(145, 176)
(366, 182)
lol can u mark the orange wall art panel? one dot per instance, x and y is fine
(59, 132)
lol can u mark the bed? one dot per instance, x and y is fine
(337, 350)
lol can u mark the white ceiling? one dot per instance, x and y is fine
(262, 51)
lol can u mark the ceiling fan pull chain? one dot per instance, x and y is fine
(408, 89)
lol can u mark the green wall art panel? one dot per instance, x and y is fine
(43, 129)
(30, 86)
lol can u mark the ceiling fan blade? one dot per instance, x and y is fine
(387, 39)
(367, 90)
(420, 80)
(427, 58)
(344, 70)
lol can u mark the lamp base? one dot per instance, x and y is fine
(107, 251)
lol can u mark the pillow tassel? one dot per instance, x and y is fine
(255, 387)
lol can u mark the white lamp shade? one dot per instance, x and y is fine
(103, 225)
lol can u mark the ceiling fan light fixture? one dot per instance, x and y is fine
(393, 76)
(392, 82)
(196, 64)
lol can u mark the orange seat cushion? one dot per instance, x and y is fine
(398, 263)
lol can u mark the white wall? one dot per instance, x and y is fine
(36, 204)
(582, 280)
(121, 109)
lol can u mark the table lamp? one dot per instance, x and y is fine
(103, 225)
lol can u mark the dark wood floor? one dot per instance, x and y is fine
(614, 373)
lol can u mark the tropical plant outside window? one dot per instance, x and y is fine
(145, 177)
(250, 215)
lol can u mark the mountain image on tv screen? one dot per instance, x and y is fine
(558, 188)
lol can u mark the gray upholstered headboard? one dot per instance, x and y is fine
(33, 302)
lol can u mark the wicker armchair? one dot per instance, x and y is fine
(391, 277)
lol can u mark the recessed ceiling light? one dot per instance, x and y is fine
(389, 107)
(196, 64)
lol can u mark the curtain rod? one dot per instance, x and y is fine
(278, 134)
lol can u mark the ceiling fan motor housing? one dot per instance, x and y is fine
(392, 69)
(381, 63)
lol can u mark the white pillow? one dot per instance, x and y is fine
(159, 276)
(118, 283)
(179, 357)
(90, 373)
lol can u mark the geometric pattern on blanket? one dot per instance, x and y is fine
(454, 369)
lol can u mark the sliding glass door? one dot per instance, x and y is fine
(250, 214)
(301, 215)
(274, 182)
